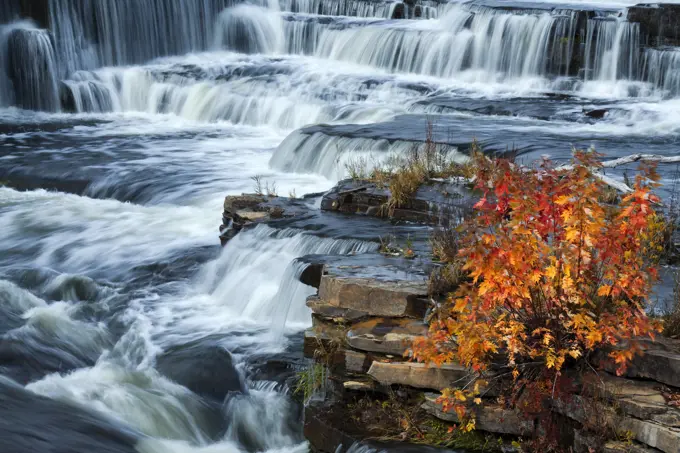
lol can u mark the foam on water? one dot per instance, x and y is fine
(133, 264)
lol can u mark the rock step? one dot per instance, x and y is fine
(490, 418)
(659, 362)
(385, 335)
(418, 375)
(332, 313)
(375, 297)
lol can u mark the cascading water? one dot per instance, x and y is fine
(250, 29)
(329, 155)
(124, 328)
(611, 49)
(29, 68)
(661, 68)
(488, 43)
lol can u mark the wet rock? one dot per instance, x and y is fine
(66, 99)
(596, 114)
(376, 297)
(311, 276)
(659, 23)
(417, 375)
(385, 335)
(247, 210)
(205, 368)
(323, 432)
(38, 10)
(493, 419)
(437, 202)
(399, 11)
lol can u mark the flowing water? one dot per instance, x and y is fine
(123, 124)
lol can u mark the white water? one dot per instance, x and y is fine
(181, 102)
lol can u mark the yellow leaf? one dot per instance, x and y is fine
(604, 290)
(478, 401)
(575, 353)
(564, 199)
(551, 272)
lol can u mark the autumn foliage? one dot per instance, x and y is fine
(554, 271)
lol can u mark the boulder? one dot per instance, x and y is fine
(323, 432)
(385, 335)
(205, 368)
(375, 297)
(490, 418)
(417, 375)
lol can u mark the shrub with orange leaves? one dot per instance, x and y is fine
(555, 272)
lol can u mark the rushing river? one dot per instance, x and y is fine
(124, 327)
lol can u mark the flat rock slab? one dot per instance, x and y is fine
(490, 418)
(378, 291)
(639, 399)
(626, 447)
(417, 375)
(652, 434)
(333, 313)
(660, 362)
(386, 335)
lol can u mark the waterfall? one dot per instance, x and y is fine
(117, 32)
(251, 101)
(28, 68)
(278, 297)
(493, 44)
(661, 68)
(328, 155)
(612, 49)
(250, 29)
(468, 42)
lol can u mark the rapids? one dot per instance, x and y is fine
(123, 124)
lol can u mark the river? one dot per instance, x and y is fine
(124, 327)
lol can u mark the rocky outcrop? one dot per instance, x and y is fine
(365, 318)
(248, 210)
(437, 202)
